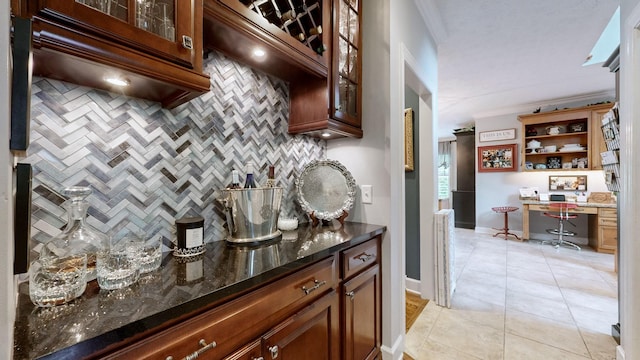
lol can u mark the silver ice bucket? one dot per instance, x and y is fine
(252, 214)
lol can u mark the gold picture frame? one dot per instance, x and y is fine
(408, 140)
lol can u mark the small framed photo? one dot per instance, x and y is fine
(567, 165)
(497, 158)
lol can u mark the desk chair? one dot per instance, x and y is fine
(560, 211)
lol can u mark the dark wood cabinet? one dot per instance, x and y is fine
(155, 46)
(237, 28)
(361, 303)
(344, 116)
(346, 75)
(310, 334)
(314, 45)
(300, 316)
(464, 197)
(361, 329)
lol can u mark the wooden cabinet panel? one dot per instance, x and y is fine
(300, 316)
(359, 257)
(136, 24)
(240, 321)
(346, 75)
(252, 351)
(310, 334)
(572, 137)
(603, 230)
(362, 331)
(598, 145)
(80, 44)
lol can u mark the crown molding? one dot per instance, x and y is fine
(545, 105)
(432, 18)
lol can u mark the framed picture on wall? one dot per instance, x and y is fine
(497, 158)
(408, 139)
(568, 183)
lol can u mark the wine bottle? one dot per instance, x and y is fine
(235, 180)
(271, 180)
(288, 15)
(316, 30)
(250, 182)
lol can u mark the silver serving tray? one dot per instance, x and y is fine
(326, 189)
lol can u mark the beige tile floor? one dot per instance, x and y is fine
(521, 300)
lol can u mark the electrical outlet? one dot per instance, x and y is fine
(367, 194)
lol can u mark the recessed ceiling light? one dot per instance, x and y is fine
(259, 53)
(117, 81)
(325, 134)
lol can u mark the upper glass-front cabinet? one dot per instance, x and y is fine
(155, 16)
(163, 28)
(346, 62)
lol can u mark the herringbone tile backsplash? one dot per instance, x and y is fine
(149, 166)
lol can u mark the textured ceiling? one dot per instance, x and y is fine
(504, 56)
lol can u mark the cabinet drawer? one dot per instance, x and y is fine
(608, 212)
(359, 257)
(239, 321)
(607, 222)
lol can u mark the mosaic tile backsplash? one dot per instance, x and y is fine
(149, 166)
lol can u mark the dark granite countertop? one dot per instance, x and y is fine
(101, 318)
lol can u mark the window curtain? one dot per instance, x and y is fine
(444, 167)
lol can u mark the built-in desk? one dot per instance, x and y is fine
(603, 223)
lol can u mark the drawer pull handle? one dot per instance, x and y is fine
(274, 351)
(364, 257)
(259, 358)
(316, 285)
(194, 355)
(350, 294)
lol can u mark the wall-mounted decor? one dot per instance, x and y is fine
(495, 135)
(408, 139)
(568, 183)
(497, 158)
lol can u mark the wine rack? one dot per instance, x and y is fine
(302, 19)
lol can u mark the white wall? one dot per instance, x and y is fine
(629, 269)
(378, 159)
(7, 291)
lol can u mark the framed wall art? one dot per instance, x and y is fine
(408, 139)
(568, 183)
(496, 135)
(497, 158)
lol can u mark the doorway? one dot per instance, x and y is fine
(421, 200)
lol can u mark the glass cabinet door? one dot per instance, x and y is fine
(160, 27)
(346, 80)
(155, 16)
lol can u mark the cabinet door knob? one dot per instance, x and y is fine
(187, 42)
(350, 294)
(274, 351)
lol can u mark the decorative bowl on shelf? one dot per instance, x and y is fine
(533, 144)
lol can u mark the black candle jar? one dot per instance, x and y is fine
(190, 236)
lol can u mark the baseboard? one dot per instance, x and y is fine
(412, 285)
(396, 352)
(619, 353)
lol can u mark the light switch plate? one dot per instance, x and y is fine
(367, 194)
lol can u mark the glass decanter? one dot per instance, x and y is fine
(77, 237)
